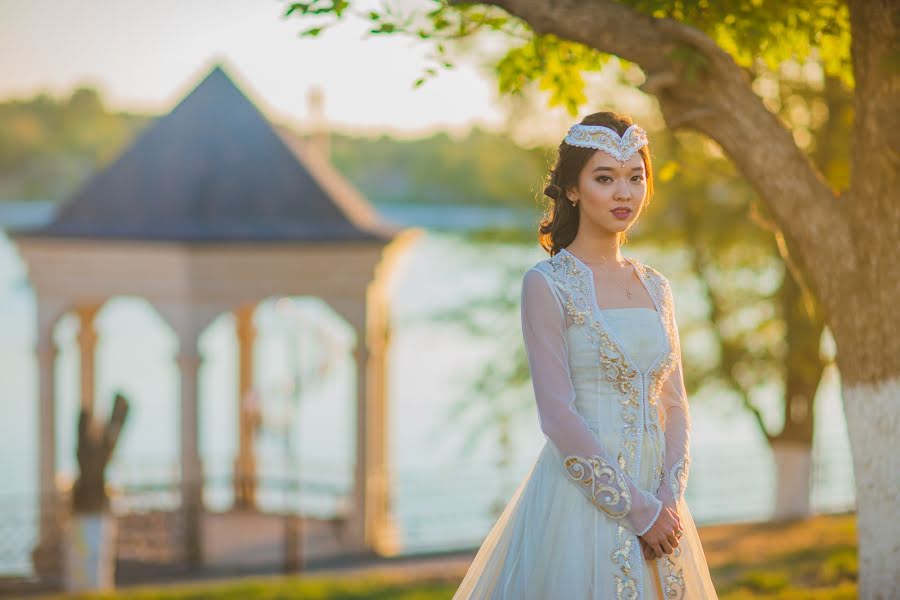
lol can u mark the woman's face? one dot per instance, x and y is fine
(604, 186)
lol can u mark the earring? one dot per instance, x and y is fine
(574, 202)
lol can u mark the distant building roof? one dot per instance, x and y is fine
(213, 169)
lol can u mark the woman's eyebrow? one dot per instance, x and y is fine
(602, 168)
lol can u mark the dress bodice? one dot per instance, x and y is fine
(641, 337)
(639, 332)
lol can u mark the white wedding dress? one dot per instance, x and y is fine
(611, 401)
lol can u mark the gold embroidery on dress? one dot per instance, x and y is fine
(608, 490)
(665, 368)
(674, 577)
(626, 585)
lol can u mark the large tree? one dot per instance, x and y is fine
(697, 59)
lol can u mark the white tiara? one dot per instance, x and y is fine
(606, 139)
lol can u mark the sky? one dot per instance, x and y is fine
(145, 55)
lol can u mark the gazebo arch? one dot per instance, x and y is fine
(212, 209)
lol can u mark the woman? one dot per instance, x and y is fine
(601, 514)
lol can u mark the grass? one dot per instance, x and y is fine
(812, 559)
(284, 588)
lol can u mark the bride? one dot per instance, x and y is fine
(601, 514)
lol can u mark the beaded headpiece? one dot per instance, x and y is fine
(606, 139)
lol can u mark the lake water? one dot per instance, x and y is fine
(447, 489)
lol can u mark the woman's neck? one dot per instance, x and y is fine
(596, 250)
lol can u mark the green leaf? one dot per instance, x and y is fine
(311, 32)
(297, 7)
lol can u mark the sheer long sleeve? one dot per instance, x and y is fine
(584, 461)
(677, 423)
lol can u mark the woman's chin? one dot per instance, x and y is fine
(614, 225)
(619, 226)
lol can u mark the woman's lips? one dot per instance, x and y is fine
(621, 213)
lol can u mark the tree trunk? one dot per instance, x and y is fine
(873, 420)
(804, 366)
(868, 322)
(793, 468)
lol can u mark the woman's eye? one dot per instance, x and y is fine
(635, 178)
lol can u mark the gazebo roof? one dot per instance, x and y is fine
(215, 170)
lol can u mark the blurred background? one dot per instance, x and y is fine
(207, 213)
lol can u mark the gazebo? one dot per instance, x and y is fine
(213, 209)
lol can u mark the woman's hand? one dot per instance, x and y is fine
(664, 493)
(647, 551)
(662, 537)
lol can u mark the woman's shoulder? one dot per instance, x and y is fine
(539, 272)
(650, 273)
(540, 278)
(543, 266)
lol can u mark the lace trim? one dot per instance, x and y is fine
(608, 490)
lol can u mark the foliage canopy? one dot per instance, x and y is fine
(751, 31)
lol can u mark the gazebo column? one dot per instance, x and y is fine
(372, 481)
(384, 534)
(188, 319)
(189, 360)
(46, 352)
(245, 462)
(46, 553)
(87, 345)
(359, 518)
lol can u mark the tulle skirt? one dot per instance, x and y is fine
(550, 542)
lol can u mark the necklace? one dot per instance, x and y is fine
(627, 281)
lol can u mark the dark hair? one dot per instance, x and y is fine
(560, 221)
